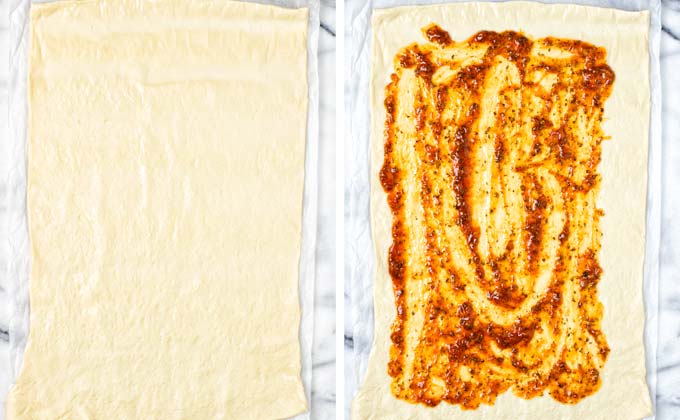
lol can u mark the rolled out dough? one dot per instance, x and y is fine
(624, 393)
(165, 168)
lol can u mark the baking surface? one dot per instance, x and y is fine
(624, 35)
(158, 252)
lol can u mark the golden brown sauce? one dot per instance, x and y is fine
(491, 154)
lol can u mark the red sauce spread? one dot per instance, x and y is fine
(491, 154)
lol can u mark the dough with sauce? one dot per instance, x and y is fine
(623, 393)
(165, 168)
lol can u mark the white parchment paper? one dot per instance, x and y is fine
(359, 255)
(15, 223)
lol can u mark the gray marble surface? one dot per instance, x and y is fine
(323, 353)
(323, 374)
(4, 166)
(668, 354)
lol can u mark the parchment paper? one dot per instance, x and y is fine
(15, 224)
(359, 249)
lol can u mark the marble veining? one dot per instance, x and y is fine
(323, 351)
(668, 353)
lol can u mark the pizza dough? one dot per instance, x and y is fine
(165, 168)
(623, 393)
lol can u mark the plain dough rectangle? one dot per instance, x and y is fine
(624, 393)
(165, 178)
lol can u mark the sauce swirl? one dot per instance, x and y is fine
(491, 154)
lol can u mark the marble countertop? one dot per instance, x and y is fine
(668, 355)
(323, 353)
